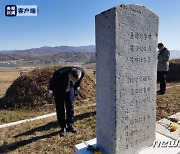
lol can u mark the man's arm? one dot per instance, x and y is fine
(52, 82)
(164, 57)
(78, 83)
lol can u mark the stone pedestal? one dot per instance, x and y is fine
(82, 147)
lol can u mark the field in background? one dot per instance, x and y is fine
(6, 79)
(8, 76)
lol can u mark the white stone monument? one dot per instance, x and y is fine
(126, 42)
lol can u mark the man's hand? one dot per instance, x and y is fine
(51, 95)
(77, 91)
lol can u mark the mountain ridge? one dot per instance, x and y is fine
(48, 55)
(55, 55)
(47, 50)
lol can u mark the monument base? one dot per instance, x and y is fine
(82, 147)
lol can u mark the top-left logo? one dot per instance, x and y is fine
(21, 10)
(11, 10)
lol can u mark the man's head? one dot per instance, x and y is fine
(160, 46)
(74, 74)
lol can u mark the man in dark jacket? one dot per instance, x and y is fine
(162, 67)
(63, 87)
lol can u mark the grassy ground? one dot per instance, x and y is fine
(42, 136)
(169, 103)
(7, 116)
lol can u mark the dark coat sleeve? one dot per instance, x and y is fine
(53, 81)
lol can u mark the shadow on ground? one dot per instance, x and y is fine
(46, 127)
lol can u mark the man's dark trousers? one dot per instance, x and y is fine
(162, 80)
(63, 101)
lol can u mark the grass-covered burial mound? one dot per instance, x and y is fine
(31, 89)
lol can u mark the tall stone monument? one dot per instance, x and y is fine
(126, 41)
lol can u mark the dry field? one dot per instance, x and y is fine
(8, 76)
(6, 79)
(41, 136)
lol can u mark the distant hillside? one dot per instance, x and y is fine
(64, 57)
(52, 50)
(16, 54)
(54, 55)
(48, 55)
(6, 51)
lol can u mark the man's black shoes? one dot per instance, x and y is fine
(159, 92)
(62, 132)
(72, 129)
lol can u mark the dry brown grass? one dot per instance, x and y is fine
(6, 79)
(169, 103)
(31, 89)
(8, 75)
(7, 115)
(42, 136)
